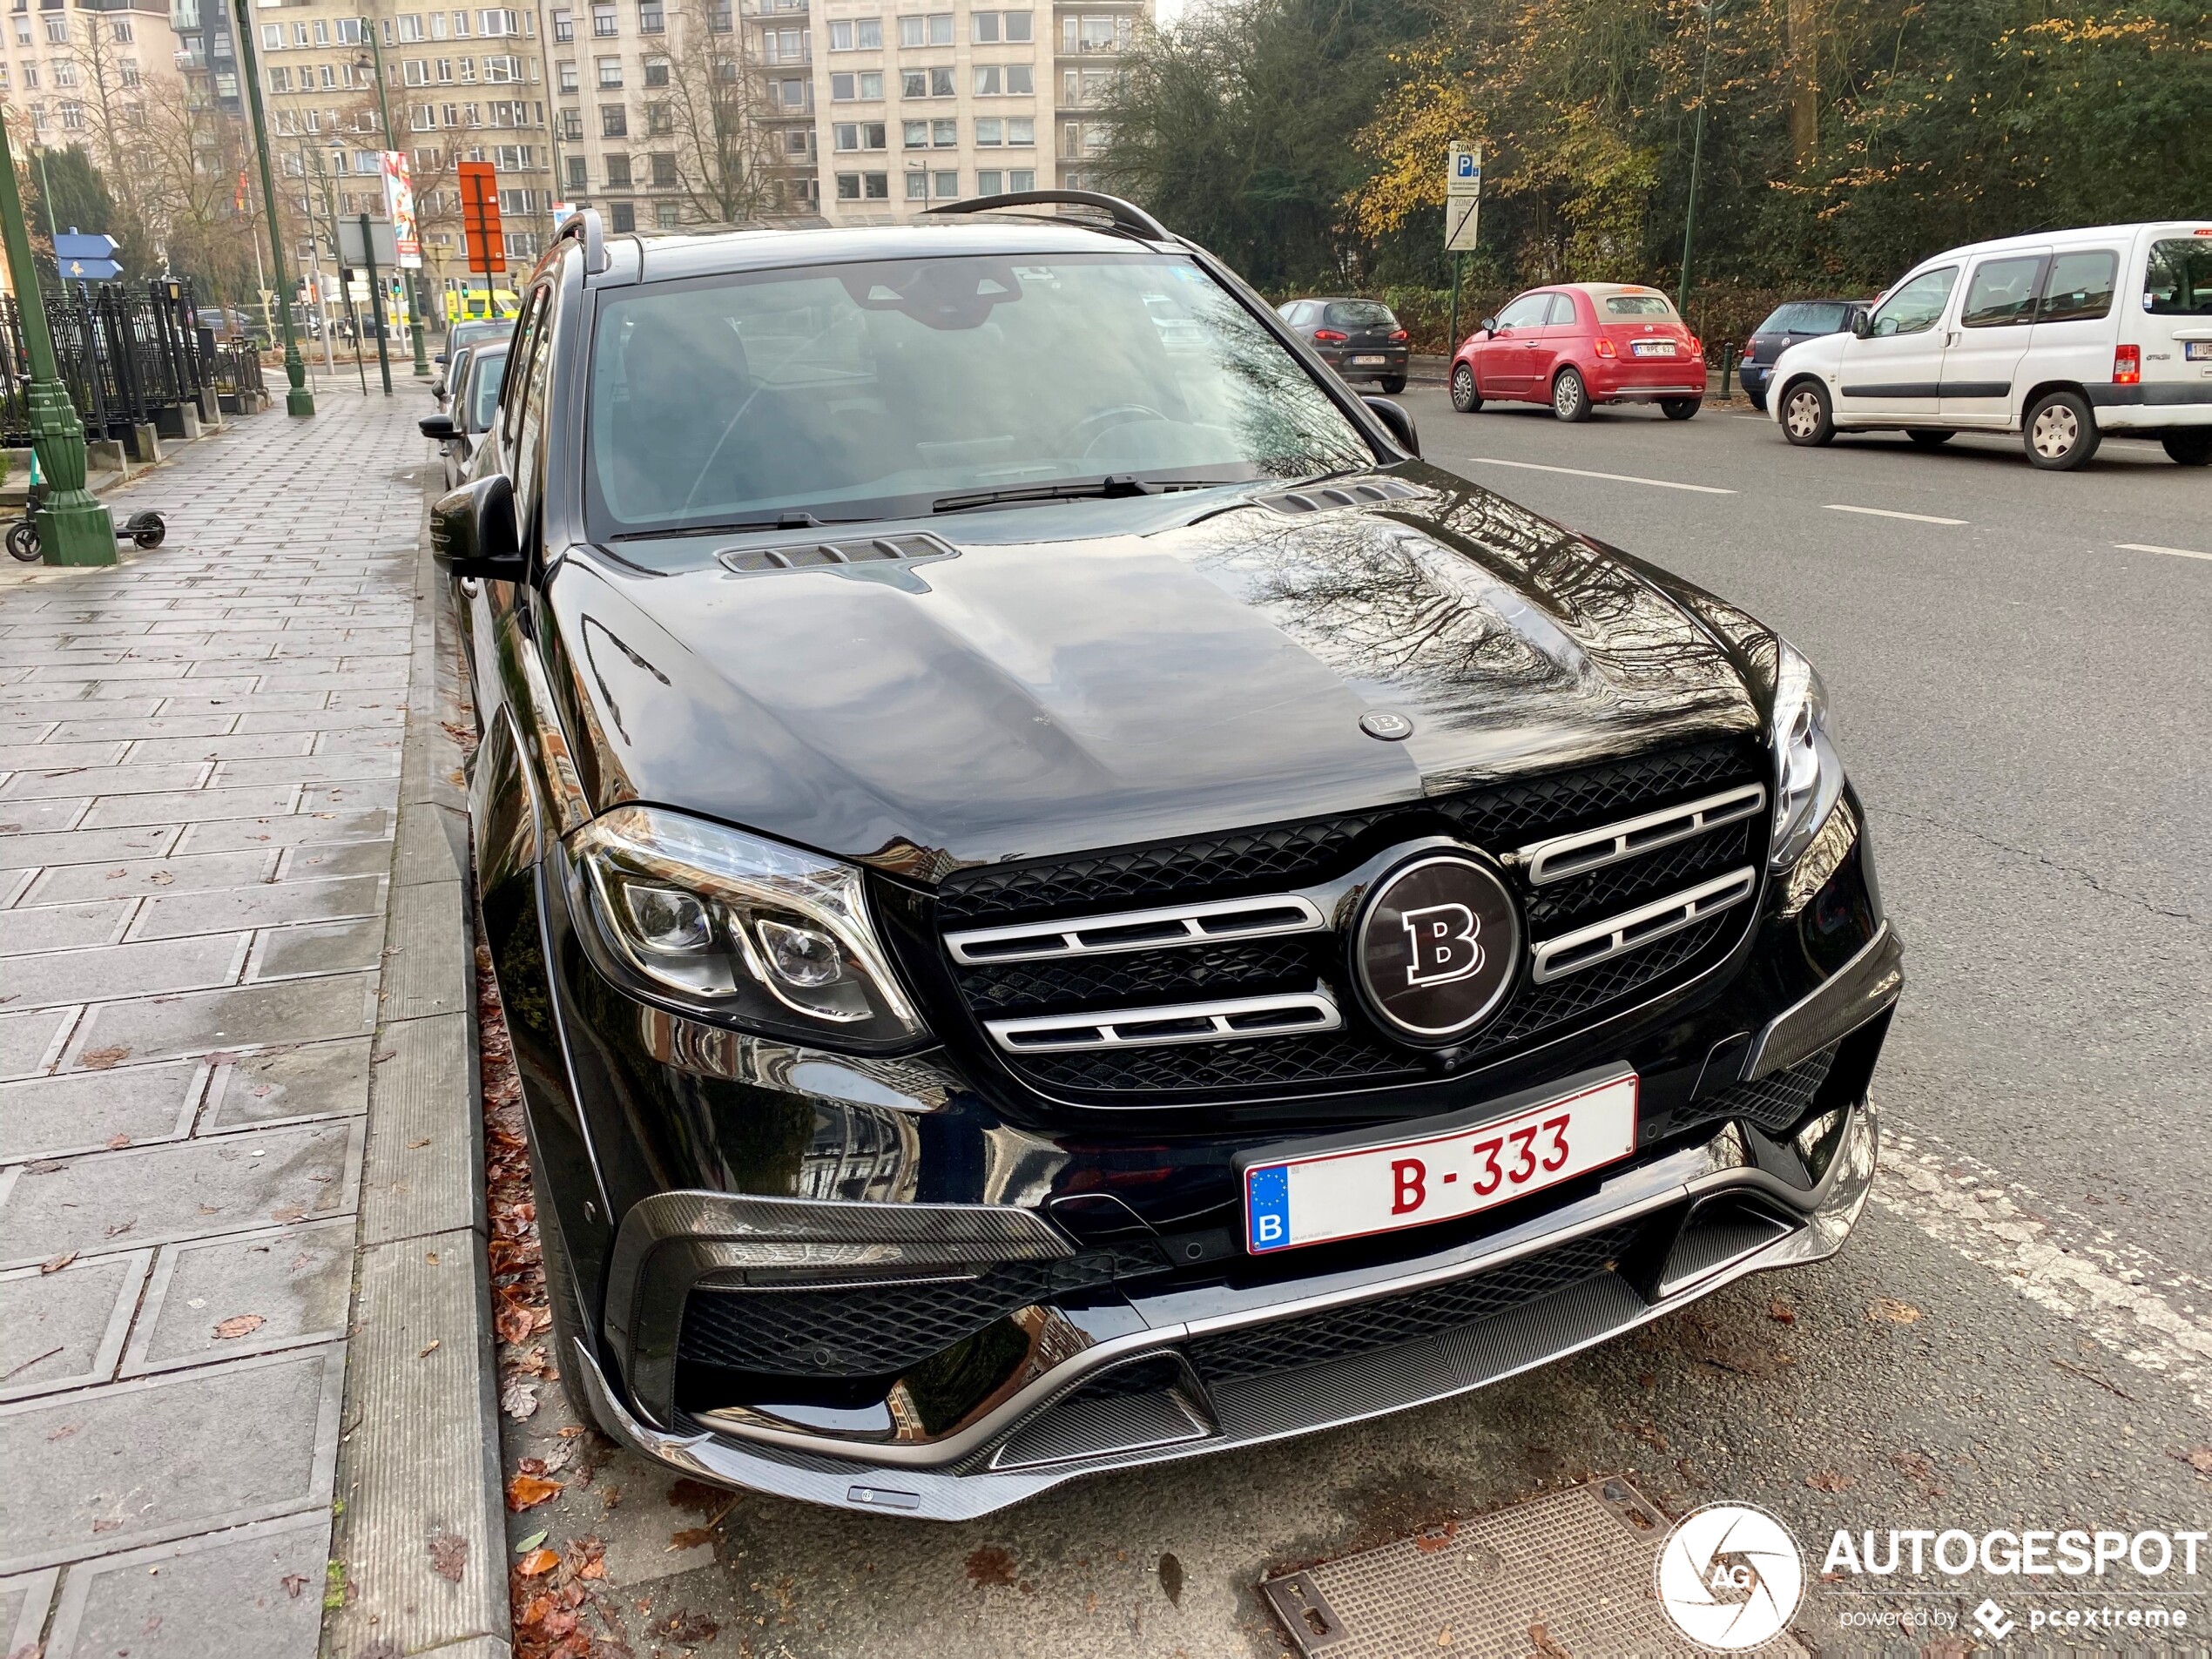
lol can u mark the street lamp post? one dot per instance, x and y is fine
(1696, 160)
(73, 528)
(384, 114)
(298, 401)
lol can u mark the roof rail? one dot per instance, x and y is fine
(1127, 216)
(585, 226)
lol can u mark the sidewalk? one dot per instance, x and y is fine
(220, 1005)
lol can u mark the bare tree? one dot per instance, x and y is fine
(191, 165)
(714, 108)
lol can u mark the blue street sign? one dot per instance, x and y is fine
(88, 248)
(90, 270)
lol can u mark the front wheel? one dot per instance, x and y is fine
(1392, 385)
(22, 542)
(2059, 433)
(1806, 419)
(1570, 398)
(1680, 409)
(1929, 437)
(1467, 397)
(2189, 448)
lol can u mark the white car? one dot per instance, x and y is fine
(2061, 337)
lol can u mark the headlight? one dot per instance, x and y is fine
(736, 929)
(1809, 774)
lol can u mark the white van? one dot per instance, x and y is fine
(2061, 337)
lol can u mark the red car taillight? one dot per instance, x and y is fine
(2127, 366)
(1606, 347)
(1400, 336)
(1329, 337)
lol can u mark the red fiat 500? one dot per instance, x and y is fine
(1579, 344)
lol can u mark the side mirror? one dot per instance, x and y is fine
(438, 357)
(440, 427)
(1862, 324)
(1488, 326)
(1399, 422)
(472, 531)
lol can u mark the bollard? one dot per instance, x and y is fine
(1728, 365)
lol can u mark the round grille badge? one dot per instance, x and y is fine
(1436, 947)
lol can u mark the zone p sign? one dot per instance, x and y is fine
(1462, 196)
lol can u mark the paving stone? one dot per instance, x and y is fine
(23, 1602)
(136, 876)
(251, 1016)
(26, 1039)
(316, 1079)
(175, 725)
(76, 781)
(195, 1189)
(265, 904)
(316, 768)
(355, 858)
(433, 846)
(83, 846)
(45, 816)
(237, 703)
(185, 686)
(65, 1329)
(423, 1170)
(191, 806)
(233, 745)
(251, 1592)
(85, 1111)
(326, 719)
(428, 969)
(149, 969)
(295, 1280)
(143, 1461)
(317, 947)
(35, 927)
(296, 829)
(16, 756)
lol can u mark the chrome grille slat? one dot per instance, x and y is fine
(1225, 1020)
(1563, 856)
(1267, 917)
(1633, 929)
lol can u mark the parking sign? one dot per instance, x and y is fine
(1462, 198)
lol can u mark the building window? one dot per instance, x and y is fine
(578, 173)
(610, 72)
(563, 25)
(796, 141)
(614, 121)
(57, 31)
(660, 120)
(934, 30)
(657, 71)
(603, 21)
(915, 134)
(784, 45)
(664, 170)
(988, 27)
(1020, 130)
(857, 135)
(944, 135)
(617, 173)
(876, 186)
(1016, 80)
(946, 186)
(650, 19)
(1096, 34)
(271, 36)
(793, 93)
(848, 186)
(572, 125)
(664, 215)
(917, 187)
(1022, 179)
(623, 216)
(565, 76)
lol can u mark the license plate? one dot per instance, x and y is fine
(2200, 350)
(1653, 348)
(1362, 363)
(1330, 1196)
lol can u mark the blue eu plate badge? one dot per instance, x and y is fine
(1267, 1208)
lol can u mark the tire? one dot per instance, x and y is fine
(1467, 397)
(2059, 433)
(1756, 399)
(1928, 437)
(148, 529)
(22, 542)
(1570, 398)
(1392, 385)
(1807, 420)
(2189, 448)
(1680, 409)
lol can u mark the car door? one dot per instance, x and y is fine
(1557, 343)
(2172, 332)
(1894, 372)
(1506, 362)
(1982, 353)
(509, 447)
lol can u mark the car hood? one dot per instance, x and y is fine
(1123, 673)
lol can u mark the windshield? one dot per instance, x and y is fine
(867, 390)
(1637, 305)
(484, 370)
(1359, 313)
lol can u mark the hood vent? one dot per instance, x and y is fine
(1345, 492)
(875, 549)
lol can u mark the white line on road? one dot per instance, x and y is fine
(1611, 478)
(2145, 547)
(1883, 512)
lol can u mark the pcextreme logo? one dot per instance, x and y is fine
(1731, 1577)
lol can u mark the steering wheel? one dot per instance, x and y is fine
(1106, 420)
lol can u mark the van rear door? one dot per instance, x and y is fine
(2173, 329)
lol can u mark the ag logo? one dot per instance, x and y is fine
(1436, 946)
(1730, 1576)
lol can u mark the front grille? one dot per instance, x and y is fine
(1283, 858)
(1363, 1327)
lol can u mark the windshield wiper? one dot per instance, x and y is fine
(795, 521)
(1115, 486)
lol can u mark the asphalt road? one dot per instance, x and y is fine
(2019, 1335)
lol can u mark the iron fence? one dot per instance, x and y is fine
(128, 357)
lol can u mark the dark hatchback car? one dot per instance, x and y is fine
(1784, 327)
(1360, 339)
(1053, 923)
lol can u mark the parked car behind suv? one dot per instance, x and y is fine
(2060, 336)
(1360, 339)
(1579, 344)
(475, 372)
(1786, 325)
(1051, 923)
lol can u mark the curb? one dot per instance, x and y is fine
(418, 1547)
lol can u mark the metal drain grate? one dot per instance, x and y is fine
(1578, 1564)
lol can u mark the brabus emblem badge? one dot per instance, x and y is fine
(1436, 946)
(1390, 726)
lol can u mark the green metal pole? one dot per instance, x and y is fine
(376, 305)
(73, 528)
(1452, 346)
(1696, 159)
(298, 401)
(415, 283)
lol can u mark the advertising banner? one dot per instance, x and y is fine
(399, 207)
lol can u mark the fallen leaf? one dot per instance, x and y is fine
(105, 1525)
(1540, 1641)
(294, 1584)
(1889, 1309)
(120, 1228)
(530, 1542)
(288, 1214)
(519, 1398)
(1443, 1637)
(116, 1143)
(528, 1491)
(161, 878)
(411, 1145)
(64, 1431)
(990, 1565)
(431, 1349)
(690, 1538)
(1171, 1578)
(1436, 1538)
(2200, 1459)
(1782, 1313)
(103, 1059)
(239, 1324)
(449, 1555)
(1829, 1481)
(695, 1497)
(538, 1562)
(54, 1264)
(531, 1465)
(513, 1322)
(687, 1630)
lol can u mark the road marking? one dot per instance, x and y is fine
(1883, 512)
(2175, 552)
(1610, 477)
(2124, 1297)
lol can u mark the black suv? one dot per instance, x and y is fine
(1062, 900)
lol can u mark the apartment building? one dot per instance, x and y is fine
(461, 86)
(73, 74)
(207, 52)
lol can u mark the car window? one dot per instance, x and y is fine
(2177, 278)
(1360, 314)
(1526, 312)
(866, 390)
(1917, 306)
(1820, 318)
(527, 423)
(1623, 306)
(2078, 287)
(484, 370)
(2002, 291)
(1562, 307)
